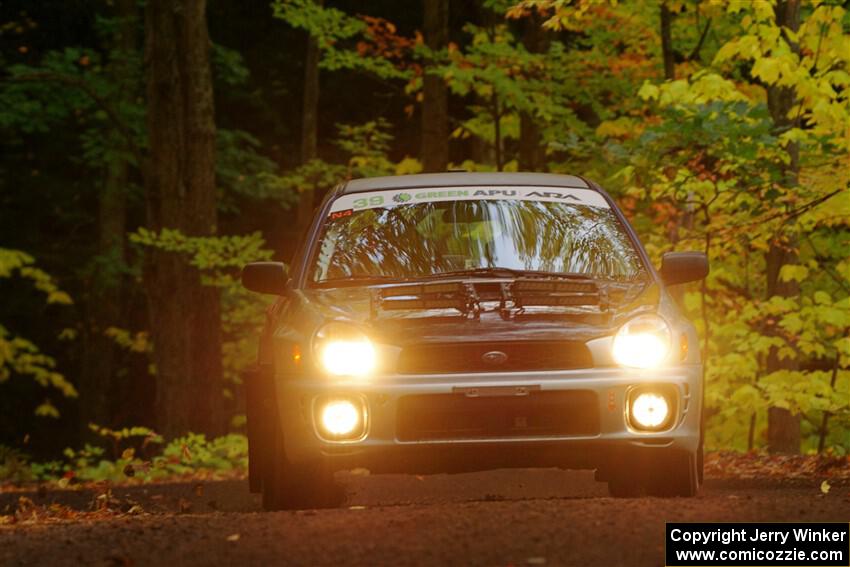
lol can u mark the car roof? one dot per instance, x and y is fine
(462, 178)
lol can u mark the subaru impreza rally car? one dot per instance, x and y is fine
(467, 321)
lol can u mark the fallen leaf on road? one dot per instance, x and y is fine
(729, 464)
(233, 537)
(121, 560)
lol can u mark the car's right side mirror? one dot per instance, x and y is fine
(265, 277)
(683, 267)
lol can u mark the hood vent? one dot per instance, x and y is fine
(466, 297)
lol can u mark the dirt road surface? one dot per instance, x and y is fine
(518, 517)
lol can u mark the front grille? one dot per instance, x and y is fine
(449, 358)
(538, 414)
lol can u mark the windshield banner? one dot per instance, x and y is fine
(393, 198)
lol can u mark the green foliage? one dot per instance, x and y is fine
(219, 259)
(19, 356)
(214, 254)
(228, 65)
(708, 170)
(503, 80)
(346, 42)
(134, 342)
(367, 144)
(14, 262)
(244, 173)
(194, 453)
(14, 465)
(189, 456)
(313, 175)
(327, 25)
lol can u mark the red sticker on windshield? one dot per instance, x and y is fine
(340, 214)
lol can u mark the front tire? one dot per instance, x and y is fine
(289, 486)
(668, 474)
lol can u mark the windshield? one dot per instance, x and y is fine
(404, 235)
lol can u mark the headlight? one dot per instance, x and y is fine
(643, 342)
(344, 350)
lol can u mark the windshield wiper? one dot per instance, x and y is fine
(364, 279)
(499, 272)
(493, 272)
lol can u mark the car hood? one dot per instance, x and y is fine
(399, 327)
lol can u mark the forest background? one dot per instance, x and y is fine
(147, 152)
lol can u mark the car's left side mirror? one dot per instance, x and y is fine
(683, 267)
(265, 277)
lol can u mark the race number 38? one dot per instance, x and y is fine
(370, 202)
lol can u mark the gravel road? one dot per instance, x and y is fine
(516, 517)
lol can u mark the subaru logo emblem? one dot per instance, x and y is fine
(494, 357)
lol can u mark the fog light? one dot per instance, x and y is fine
(649, 411)
(341, 419)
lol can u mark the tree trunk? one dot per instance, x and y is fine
(531, 154)
(181, 194)
(105, 304)
(106, 300)
(783, 428)
(667, 43)
(496, 114)
(824, 424)
(309, 127)
(435, 104)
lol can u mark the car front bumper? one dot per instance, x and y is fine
(382, 449)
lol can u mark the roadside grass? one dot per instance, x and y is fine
(137, 456)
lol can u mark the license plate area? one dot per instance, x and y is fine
(505, 413)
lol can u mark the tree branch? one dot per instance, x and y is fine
(698, 46)
(784, 215)
(123, 129)
(835, 277)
